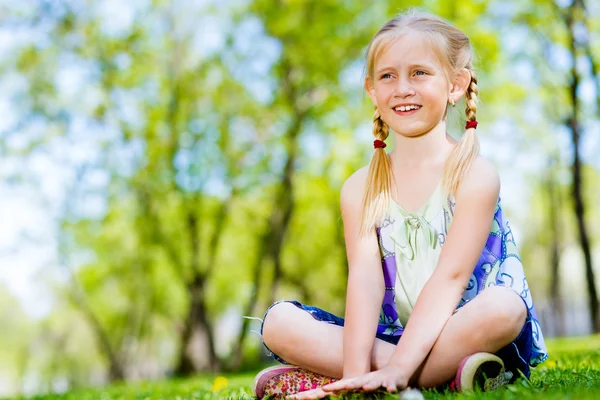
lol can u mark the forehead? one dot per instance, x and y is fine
(409, 48)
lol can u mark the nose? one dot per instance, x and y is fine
(404, 88)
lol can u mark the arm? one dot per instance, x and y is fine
(365, 281)
(476, 200)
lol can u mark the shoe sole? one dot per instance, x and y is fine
(263, 377)
(481, 370)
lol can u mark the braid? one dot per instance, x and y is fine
(471, 98)
(463, 155)
(380, 128)
(378, 191)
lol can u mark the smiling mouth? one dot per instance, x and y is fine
(407, 108)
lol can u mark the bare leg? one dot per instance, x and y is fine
(487, 323)
(294, 335)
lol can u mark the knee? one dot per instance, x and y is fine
(275, 323)
(504, 311)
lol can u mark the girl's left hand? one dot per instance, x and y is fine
(389, 377)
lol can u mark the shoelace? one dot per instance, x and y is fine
(495, 383)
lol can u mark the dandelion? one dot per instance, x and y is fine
(219, 384)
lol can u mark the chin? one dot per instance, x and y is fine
(416, 130)
(411, 133)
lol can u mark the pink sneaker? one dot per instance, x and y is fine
(285, 380)
(480, 370)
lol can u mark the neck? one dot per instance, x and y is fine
(432, 147)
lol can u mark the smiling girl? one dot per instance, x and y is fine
(436, 291)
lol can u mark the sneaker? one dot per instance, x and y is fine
(480, 370)
(281, 381)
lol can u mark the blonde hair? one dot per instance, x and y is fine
(453, 48)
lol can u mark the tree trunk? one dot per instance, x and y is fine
(77, 295)
(272, 241)
(196, 321)
(197, 318)
(281, 216)
(283, 206)
(553, 218)
(577, 184)
(248, 310)
(588, 52)
(115, 368)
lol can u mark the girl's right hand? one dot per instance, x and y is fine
(391, 378)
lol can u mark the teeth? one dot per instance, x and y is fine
(407, 108)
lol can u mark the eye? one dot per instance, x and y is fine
(386, 75)
(420, 72)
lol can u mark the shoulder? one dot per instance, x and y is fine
(480, 183)
(353, 189)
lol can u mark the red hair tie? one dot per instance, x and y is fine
(379, 144)
(471, 124)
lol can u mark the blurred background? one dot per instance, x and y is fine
(169, 167)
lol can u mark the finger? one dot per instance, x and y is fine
(358, 384)
(301, 395)
(385, 383)
(322, 394)
(391, 387)
(374, 382)
(309, 394)
(331, 387)
(318, 394)
(372, 385)
(339, 385)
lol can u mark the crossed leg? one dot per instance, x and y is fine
(487, 323)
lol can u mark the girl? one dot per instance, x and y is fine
(436, 291)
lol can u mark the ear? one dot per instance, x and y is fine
(370, 89)
(461, 83)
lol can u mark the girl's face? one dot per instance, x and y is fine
(409, 86)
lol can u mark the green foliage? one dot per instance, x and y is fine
(572, 371)
(18, 330)
(182, 131)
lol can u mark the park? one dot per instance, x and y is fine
(170, 169)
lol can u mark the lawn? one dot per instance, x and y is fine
(571, 372)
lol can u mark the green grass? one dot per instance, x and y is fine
(571, 372)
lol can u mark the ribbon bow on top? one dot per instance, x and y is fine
(411, 234)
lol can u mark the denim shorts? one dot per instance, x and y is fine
(516, 354)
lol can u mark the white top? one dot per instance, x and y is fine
(416, 239)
